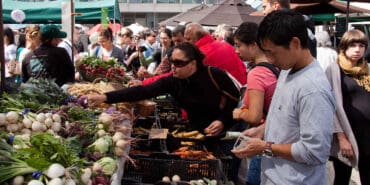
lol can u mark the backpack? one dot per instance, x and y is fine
(271, 67)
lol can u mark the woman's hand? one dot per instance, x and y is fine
(133, 83)
(215, 128)
(236, 113)
(95, 99)
(142, 72)
(345, 146)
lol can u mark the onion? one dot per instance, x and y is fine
(55, 170)
(56, 181)
(37, 126)
(166, 179)
(69, 182)
(41, 117)
(35, 182)
(86, 175)
(18, 180)
(176, 178)
(56, 126)
(101, 133)
(27, 122)
(119, 152)
(117, 136)
(100, 126)
(105, 118)
(26, 131)
(49, 115)
(26, 137)
(50, 131)
(97, 167)
(20, 126)
(12, 117)
(12, 128)
(57, 118)
(122, 144)
(2, 119)
(48, 122)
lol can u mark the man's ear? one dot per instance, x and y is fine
(295, 43)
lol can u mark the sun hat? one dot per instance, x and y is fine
(52, 31)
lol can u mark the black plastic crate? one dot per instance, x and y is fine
(151, 170)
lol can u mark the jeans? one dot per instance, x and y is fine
(254, 171)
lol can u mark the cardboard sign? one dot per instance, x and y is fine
(158, 133)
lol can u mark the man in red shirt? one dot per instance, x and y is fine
(218, 54)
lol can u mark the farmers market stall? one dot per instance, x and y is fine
(55, 137)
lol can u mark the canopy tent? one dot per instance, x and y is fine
(232, 12)
(50, 12)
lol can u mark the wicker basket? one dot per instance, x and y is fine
(93, 77)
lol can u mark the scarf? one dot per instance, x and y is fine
(360, 72)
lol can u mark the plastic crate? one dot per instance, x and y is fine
(151, 170)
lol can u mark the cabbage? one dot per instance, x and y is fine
(109, 165)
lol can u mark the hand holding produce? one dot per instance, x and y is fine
(95, 99)
(215, 128)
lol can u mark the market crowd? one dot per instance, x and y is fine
(301, 102)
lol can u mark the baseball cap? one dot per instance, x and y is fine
(52, 31)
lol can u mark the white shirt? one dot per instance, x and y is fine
(326, 56)
(66, 44)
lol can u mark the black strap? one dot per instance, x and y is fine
(271, 67)
(218, 87)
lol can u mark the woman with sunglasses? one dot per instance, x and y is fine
(191, 84)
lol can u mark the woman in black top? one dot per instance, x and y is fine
(351, 83)
(209, 108)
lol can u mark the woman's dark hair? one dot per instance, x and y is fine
(107, 33)
(247, 33)
(281, 26)
(192, 53)
(168, 32)
(9, 34)
(21, 41)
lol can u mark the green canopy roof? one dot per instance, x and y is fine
(50, 11)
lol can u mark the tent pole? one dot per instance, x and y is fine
(2, 60)
(72, 27)
(347, 16)
(114, 21)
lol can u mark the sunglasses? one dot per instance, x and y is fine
(180, 63)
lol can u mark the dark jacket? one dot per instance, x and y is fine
(196, 94)
(48, 62)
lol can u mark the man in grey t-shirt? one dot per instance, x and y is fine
(299, 124)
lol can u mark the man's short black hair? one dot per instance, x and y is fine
(281, 26)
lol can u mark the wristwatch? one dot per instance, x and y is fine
(268, 150)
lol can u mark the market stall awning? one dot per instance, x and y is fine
(50, 12)
(232, 12)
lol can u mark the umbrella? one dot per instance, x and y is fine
(97, 28)
(232, 12)
(136, 28)
(324, 7)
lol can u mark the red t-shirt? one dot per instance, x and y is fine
(262, 79)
